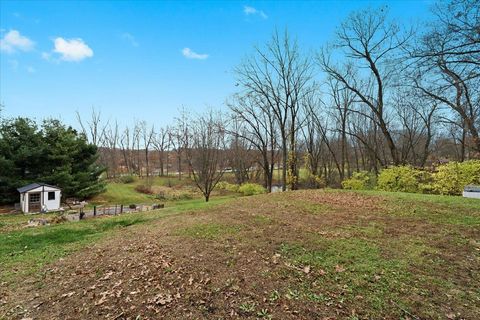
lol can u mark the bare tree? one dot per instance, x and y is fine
(93, 129)
(111, 143)
(241, 157)
(147, 139)
(279, 75)
(259, 127)
(373, 46)
(161, 143)
(180, 138)
(448, 63)
(206, 154)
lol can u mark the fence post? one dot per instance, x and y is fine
(121, 208)
(94, 210)
(115, 210)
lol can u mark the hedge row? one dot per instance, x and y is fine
(448, 179)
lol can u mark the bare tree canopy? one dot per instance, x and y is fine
(206, 151)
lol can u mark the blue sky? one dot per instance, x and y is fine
(145, 59)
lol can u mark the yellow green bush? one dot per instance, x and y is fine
(250, 189)
(362, 180)
(403, 179)
(224, 185)
(452, 177)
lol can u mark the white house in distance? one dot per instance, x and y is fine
(471, 191)
(37, 196)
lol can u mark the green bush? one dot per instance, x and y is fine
(452, 177)
(224, 185)
(127, 179)
(250, 189)
(403, 179)
(362, 180)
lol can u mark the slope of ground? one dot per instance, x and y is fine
(294, 255)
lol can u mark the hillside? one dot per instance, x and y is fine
(295, 255)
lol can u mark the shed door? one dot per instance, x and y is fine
(34, 201)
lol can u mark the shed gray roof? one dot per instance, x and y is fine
(33, 186)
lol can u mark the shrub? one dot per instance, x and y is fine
(403, 179)
(452, 177)
(142, 188)
(362, 180)
(250, 189)
(161, 195)
(127, 179)
(223, 185)
(173, 195)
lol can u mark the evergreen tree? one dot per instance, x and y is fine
(53, 154)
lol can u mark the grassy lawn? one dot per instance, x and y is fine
(297, 255)
(24, 251)
(125, 193)
(120, 193)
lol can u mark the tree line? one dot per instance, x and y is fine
(378, 94)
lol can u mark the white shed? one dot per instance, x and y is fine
(38, 197)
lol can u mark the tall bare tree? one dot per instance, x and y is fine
(259, 127)
(373, 46)
(279, 75)
(448, 62)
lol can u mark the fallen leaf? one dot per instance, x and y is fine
(101, 300)
(107, 275)
(339, 268)
(68, 294)
(275, 258)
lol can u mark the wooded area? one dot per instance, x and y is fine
(377, 95)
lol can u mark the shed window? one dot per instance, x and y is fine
(51, 195)
(34, 197)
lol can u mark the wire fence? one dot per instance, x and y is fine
(111, 210)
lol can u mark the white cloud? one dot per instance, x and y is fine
(130, 38)
(72, 49)
(13, 41)
(252, 11)
(190, 54)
